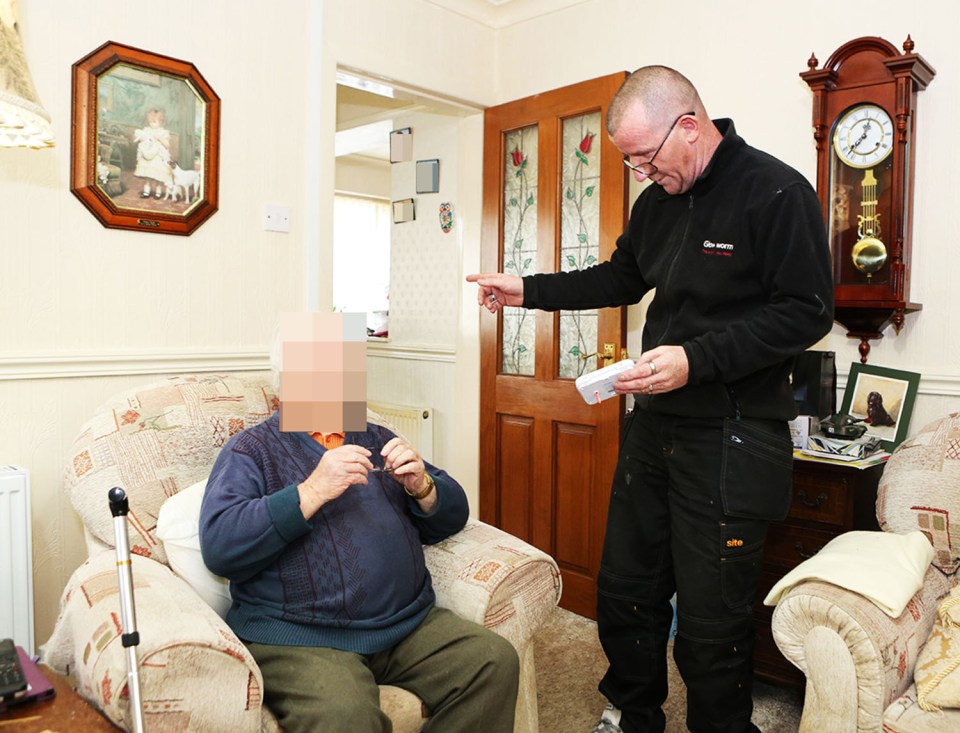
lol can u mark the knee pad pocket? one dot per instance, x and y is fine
(741, 557)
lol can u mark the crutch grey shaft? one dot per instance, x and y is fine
(128, 614)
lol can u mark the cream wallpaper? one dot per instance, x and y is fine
(424, 286)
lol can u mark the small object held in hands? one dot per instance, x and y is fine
(597, 386)
(380, 469)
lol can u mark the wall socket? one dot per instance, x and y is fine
(276, 218)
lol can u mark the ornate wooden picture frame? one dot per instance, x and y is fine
(146, 140)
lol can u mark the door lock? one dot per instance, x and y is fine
(608, 355)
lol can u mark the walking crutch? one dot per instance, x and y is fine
(128, 615)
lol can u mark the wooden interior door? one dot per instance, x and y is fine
(554, 198)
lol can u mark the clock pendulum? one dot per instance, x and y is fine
(869, 254)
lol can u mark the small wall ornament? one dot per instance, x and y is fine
(446, 217)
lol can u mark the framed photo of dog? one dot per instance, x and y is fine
(146, 140)
(883, 399)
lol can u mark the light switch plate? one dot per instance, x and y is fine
(276, 218)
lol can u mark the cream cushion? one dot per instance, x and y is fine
(937, 674)
(883, 567)
(178, 527)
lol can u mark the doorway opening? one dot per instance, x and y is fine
(370, 178)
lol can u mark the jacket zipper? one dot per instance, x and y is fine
(673, 263)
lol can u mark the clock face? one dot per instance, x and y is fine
(863, 136)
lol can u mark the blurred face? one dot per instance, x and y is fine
(642, 142)
(323, 373)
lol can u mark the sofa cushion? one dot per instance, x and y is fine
(904, 715)
(178, 527)
(937, 674)
(920, 489)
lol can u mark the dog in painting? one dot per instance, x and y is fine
(186, 184)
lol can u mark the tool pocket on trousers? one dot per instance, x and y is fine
(756, 475)
(741, 556)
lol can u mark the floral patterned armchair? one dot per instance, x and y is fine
(859, 662)
(195, 675)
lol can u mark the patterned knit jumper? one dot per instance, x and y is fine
(351, 577)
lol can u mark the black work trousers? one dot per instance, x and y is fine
(689, 509)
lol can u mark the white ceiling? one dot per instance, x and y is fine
(364, 119)
(503, 13)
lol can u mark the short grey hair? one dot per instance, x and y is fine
(662, 92)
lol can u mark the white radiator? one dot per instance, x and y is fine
(414, 423)
(16, 558)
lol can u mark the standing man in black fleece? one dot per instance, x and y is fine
(734, 242)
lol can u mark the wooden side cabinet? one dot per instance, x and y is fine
(828, 500)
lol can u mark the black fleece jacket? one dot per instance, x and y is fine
(743, 281)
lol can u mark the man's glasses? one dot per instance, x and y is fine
(648, 168)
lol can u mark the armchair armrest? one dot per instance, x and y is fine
(495, 579)
(194, 672)
(857, 659)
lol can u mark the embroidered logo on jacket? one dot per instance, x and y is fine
(717, 248)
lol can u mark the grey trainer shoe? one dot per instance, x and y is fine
(609, 720)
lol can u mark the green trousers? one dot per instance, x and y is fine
(466, 676)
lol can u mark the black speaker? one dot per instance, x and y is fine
(814, 381)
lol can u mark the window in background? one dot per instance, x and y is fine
(361, 259)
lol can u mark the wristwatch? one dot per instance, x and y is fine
(423, 493)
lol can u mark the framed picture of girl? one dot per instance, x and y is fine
(145, 145)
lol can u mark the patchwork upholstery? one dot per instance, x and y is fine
(859, 662)
(160, 439)
(920, 490)
(154, 441)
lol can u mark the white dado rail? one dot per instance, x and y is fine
(70, 366)
(76, 365)
(415, 352)
(67, 366)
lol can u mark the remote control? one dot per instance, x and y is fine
(12, 679)
(597, 386)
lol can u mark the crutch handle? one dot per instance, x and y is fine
(119, 506)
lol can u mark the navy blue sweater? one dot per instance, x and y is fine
(351, 577)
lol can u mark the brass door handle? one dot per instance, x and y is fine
(606, 357)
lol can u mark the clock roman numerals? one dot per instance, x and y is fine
(864, 136)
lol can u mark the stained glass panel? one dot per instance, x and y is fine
(519, 244)
(579, 236)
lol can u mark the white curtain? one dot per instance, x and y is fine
(361, 258)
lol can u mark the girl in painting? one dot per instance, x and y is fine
(153, 153)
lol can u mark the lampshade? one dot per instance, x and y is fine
(23, 120)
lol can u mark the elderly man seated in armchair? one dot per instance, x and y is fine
(317, 518)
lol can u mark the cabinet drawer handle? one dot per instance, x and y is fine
(812, 503)
(803, 553)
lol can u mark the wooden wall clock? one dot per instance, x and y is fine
(864, 125)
